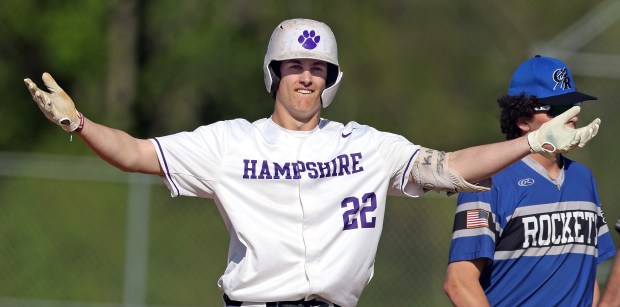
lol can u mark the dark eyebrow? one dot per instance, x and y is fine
(298, 61)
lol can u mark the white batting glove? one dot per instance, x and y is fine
(555, 136)
(56, 105)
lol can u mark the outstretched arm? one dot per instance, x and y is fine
(121, 150)
(478, 163)
(481, 162)
(116, 147)
(456, 171)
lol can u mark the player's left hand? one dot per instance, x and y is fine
(555, 136)
(56, 105)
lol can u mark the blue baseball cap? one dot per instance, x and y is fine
(548, 79)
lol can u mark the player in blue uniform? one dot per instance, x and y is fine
(536, 237)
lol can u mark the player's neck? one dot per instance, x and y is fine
(553, 167)
(289, 121)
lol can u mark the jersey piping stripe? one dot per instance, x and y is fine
(402, 182)
(548, 250)
(464, 233)
(473, 205)
(163, 158)
(558, 206)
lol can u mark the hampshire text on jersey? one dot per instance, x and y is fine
(341, 165)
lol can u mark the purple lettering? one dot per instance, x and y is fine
(249, 169)
(335, 169)
(344, 165)
(311, 168)
(281, 170)
(298, 168)
(324, 169)
(356, 167)
(341, 165)
(264, 171)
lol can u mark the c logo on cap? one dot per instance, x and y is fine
(560, 76)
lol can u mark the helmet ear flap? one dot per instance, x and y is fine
(329, 92)
(332, 74)
(274, 72)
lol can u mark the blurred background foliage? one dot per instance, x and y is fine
(429, 70)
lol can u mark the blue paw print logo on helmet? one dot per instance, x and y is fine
(308, 39)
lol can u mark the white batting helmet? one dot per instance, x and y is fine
(303, 39)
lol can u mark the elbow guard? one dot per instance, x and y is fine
(432, 172)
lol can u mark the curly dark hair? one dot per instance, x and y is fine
(512, 108)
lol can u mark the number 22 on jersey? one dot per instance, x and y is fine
(358, 213)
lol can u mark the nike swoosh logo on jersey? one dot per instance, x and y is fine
(346, 135)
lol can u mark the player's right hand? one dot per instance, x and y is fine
(56, 105)
(555, 136)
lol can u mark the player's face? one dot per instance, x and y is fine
(298, 100)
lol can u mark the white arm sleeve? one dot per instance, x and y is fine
(432, 172)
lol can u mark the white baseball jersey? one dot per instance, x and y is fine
(304, 209)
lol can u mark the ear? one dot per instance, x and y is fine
(523, 124)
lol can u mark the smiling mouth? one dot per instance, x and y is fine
(304, 91)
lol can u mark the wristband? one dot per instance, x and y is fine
(81, 125)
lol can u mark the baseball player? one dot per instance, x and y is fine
(611, 296)
(536, 237)
(303, 197)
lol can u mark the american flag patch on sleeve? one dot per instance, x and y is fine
(477, 218)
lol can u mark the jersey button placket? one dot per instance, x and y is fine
(309, 232)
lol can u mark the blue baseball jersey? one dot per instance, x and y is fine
(543, 237)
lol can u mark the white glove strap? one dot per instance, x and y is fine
(536, 147)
